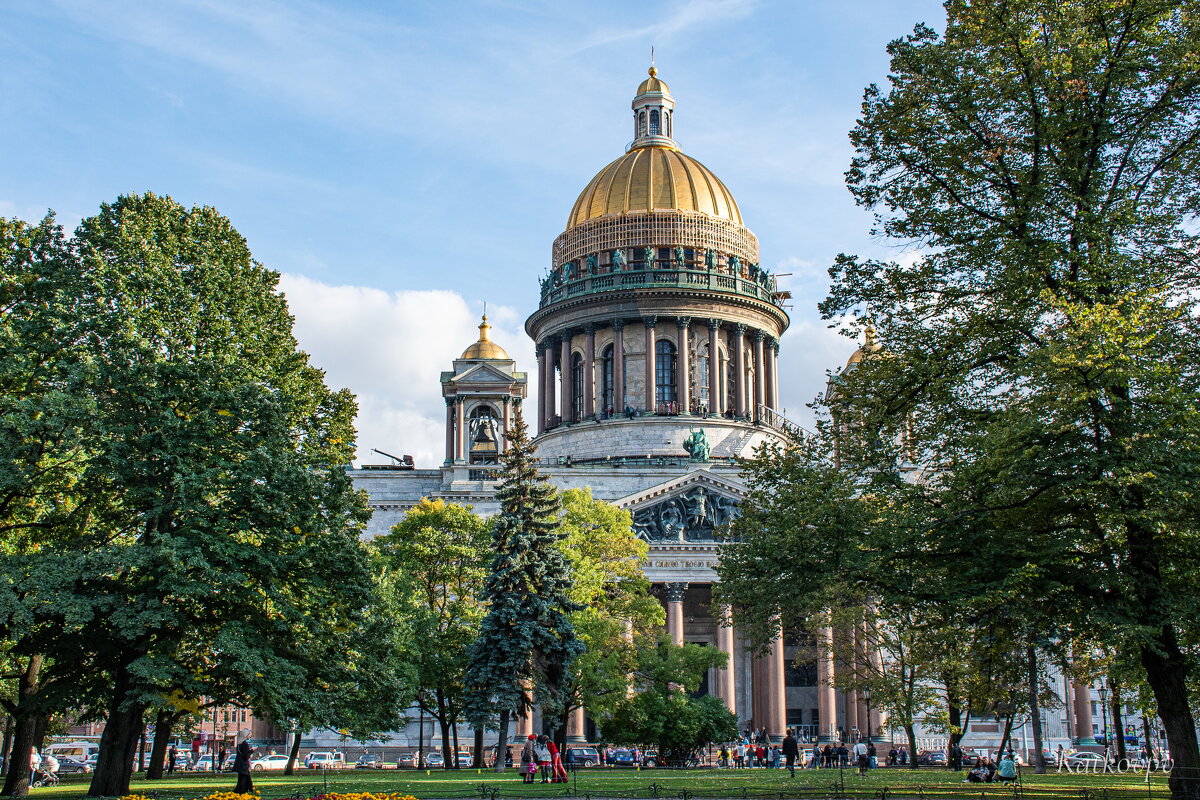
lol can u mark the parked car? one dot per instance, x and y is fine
(585, 756)
(201, 764)
(406, 760)
(932, 758)
(1086, 759)
(621, 757)
(435, 760)
(72, 766)
(276, 761)
(650, 758)
(368, 761)
(325, 760)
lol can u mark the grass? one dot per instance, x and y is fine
(929, 782)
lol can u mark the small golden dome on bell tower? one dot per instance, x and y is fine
(485, 347)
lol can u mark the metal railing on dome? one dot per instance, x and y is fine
(660, 279)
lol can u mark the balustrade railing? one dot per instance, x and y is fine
(662, 278)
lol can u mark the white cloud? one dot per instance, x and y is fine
(390, 349)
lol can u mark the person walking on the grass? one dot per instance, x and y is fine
(791, 752)
(860, 757)
(241, 765)
(528, 760)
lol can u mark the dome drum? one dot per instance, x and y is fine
(752, 283)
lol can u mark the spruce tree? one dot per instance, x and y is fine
(527, 640)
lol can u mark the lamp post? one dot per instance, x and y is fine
(1104, 716)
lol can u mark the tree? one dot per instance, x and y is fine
(219, 520)
(526, 639)
(433, 565)
(612, 595)
(1042, 350)
(664, 712)
(43, 451)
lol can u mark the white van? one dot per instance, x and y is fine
(80, 751)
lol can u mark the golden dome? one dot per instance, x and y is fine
(870, 346)
(654, 178)
(485, 347)
(653, 84)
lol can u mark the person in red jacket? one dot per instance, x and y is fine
(559, 774)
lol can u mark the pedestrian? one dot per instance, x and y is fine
(528, 759)
(872, 756)
(542, 752)
(791, 751)
(723, 757)
(902, 756)
(956, 757)
(217, 767)
(172, 756)
(815, 761)
(860, 757)
(241, 765)
(558, 774)
(891, 761)
(1007, 771)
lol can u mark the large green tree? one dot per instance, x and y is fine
(220, 523)
(433, 564)
(615, 609)
(526, 640)
(1041, 352)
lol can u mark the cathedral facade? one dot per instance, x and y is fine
(657, 335)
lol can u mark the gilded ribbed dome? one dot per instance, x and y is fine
(653, 84)
(485, 347)
(654, 178)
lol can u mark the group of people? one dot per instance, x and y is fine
(540, 753)
(43, 768)
(986, 771)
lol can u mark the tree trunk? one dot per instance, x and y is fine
(164, 724)
(1004, 745)
(1166, 672)
(293, 754)
(1147, 742)
(447, 752)
(6, 746)
(25, 723)
(1118, 720)
(118, 744)
(502, 742)
(911, 733)
(454, 727)
(477, 761)
(1035, 712)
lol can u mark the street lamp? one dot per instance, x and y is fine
(1104, 715)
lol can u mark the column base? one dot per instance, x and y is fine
(1086, 741)
(576, 738)
(826, 738)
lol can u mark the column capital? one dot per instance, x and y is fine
(759, 336)
(674, 592)
(773, 343)
(618, 324)
(589, 328)
(549, 342)
(683, 322)
(715, 324)
(450, 401)
(739, 330)
(650, 322)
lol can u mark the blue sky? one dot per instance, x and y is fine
(403, 162)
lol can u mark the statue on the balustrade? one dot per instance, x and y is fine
(618, 261)
(680, 262)
(710, 260)
(593, 263)
(696, 445)
(569, 270)
(735, 265)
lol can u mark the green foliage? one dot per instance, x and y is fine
(663, 712)
(612, 595)
(432, 568)
(1039, 371)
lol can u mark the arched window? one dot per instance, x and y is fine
(641, 123)
(576, 387)
(606, 381)
(667, 123)
(664, 374)
(654, 126)
(483, 430)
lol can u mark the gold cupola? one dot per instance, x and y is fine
(485, 348)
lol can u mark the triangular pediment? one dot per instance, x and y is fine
(688, 508)
(483, 374)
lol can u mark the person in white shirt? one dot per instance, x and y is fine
(860, 755)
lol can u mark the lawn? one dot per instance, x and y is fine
(929, 783)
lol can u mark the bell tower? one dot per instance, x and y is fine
(481, 394)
